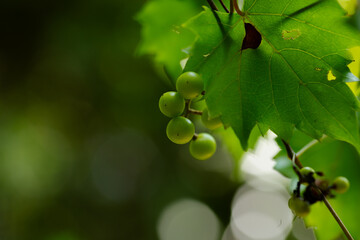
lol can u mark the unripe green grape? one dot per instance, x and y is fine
(341, 184)
(210, 123)
(305, 171)
(190, 85)
(171, 104)
(180, 130)
(299, 207)
(308, 174)
(203, 146)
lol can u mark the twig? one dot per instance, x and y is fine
(212, 5)
(337, 218)
(189, 110)
(291, 154)
(223, 5)
(231, 6)
(237, 9)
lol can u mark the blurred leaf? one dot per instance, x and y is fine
(231, 141)
(284, 166)
(162, 34)
(283, 82)
(349, 6)
(233, 145)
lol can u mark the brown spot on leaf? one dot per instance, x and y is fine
(252, 38)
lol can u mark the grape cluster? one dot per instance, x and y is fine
(315, 189)
(180, 129)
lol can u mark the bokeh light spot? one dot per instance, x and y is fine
(190, 220)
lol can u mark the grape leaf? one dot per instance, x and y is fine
(162, 35)
(281, 84)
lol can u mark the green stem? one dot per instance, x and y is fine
(308, 146)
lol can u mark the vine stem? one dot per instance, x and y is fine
(292, 155)
(193, 111)
(231, 6)
(223, 5)
(189, 110)
(337, 218)
(237, 9)
(212, 5)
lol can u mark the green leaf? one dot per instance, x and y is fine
(162, 35)
(283, 83)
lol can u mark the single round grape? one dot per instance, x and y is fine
(172, 104)
(190, 85)
(299, 207)
(212, 123)
(203, 146)
(180, 130)
(307, 172)
(341, 184)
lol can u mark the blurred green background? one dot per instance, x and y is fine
(83, 150)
